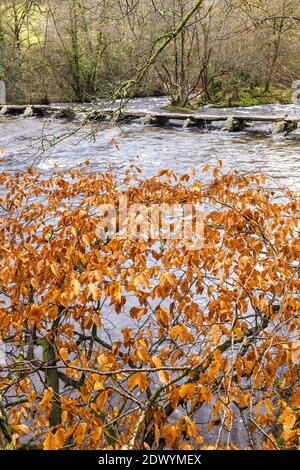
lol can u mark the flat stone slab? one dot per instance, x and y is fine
(136, 113)
(157, 117)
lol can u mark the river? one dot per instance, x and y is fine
(152, 148)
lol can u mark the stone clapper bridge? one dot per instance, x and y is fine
(232, 122)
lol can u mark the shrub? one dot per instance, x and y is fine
(121, 343)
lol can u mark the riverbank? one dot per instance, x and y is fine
(228, 97)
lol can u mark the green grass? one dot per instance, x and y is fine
(181, 109)
(242, 97)
(253, 96)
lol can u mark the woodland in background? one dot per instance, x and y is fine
(230, 52)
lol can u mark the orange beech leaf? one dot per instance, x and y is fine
(205, 394)
(137, 312)
(164, 376)
(86, 240)
(163, 316)
(51, 442)
(244, 262)
(215, 334)
(63, 352)
(187, 391)
(138, 380)
(288, 419)
(98, 385)
(170, 434)
(94, 291)
(96, 435)
(55, 269)
(20, 429)
(269, 406)
(76, 286)
(97, 320)
(61, 437)
(143, 355)
(296, 353)
(80, 433)
(181, 332)
(46, 400)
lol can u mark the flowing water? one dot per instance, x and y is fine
(151, 148)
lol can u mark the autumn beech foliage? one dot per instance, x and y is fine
(121, 343)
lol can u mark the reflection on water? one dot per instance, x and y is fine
(154, 148)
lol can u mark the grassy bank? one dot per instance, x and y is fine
(253, 96)
(229, 98)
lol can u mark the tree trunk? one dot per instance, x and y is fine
(5, 431)
(52, 380)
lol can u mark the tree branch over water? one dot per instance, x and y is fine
(124, 91)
